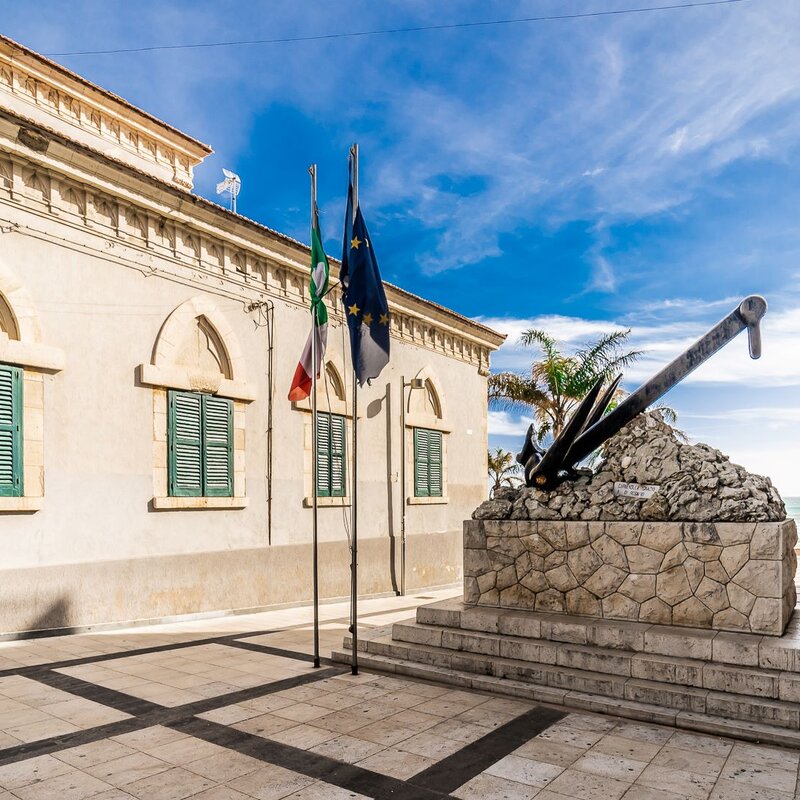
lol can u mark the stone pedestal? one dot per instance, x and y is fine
(735, 576)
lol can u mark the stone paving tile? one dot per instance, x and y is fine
(525, 770)
(220, 793)
(465, 732)
(547, 794)
(31, 770)
(689, 760)
(337, 701)
(493, 787)
(89, 755)
(386, 732)
(568, 734)
(733, 790)
(562, 755)
(347, 748)
(270, 783)
(30, 711)
(697, 742)
(626, 748)
(763, 756)
(185, 750)
(418, 721)
(174, 784)
(583, 786)
(74, 785)
(263, 725)
(301, 712)
(224, 766)
(113, 794)
(754, 775)
(148, 738)
(325, 791)
(121, 771)
(646, 793)
(689, 785)
(430, 746)
(228, 715)
(641, 732)
(397, 763)
(597, 763)
(303, 736)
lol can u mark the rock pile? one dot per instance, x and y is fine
(696, 483)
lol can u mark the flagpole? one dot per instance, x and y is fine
(354, 507)
(314, 345)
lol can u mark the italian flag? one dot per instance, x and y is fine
(301, 384)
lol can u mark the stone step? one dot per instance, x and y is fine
(548, 655)
(723, 647)
(581, 701)
(723, 695)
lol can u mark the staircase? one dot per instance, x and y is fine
(730, 684)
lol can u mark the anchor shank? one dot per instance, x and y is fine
(747, 315)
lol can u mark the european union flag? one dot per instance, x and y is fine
(364, 299)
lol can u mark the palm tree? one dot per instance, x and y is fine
(558, 382)
(502, 469)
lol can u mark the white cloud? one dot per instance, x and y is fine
(503, 423)
(779, 364)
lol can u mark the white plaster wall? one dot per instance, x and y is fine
(98, 423)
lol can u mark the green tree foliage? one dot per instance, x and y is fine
(502, 469)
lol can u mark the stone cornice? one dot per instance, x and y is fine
(53, 95)
(193, 239)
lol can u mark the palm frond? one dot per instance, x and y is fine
(546, 342)
(508, 390)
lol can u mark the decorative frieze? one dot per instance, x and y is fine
(69, 100)
(38, 188)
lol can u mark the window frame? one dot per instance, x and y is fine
(17, 486)
(326, 453)
(202, 442)
(418, 460)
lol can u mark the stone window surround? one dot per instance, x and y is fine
(163, 374)
(36, 360)
(431, 422)
(327, 402)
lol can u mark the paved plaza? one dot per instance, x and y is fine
(231, 708)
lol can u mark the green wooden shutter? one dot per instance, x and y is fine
(421, 488)
(434, 464)
(217, 446)
(10, 431)
(323, 455)
(185, 444)
(338, 434)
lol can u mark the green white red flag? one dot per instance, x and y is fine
(301, 383)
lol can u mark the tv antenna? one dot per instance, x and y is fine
(232, 185)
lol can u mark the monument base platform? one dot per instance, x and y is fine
(732, 684)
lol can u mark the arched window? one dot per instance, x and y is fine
(426, 430)
(24, 359)
(197, 372)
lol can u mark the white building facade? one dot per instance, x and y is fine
(150, 464)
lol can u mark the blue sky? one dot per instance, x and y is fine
(639, 170)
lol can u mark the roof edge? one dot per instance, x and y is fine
(68, 73)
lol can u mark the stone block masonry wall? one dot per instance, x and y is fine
(736, 576)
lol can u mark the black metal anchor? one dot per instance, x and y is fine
(588, 428)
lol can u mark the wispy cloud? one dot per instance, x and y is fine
(664, 340)
(502, 423)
